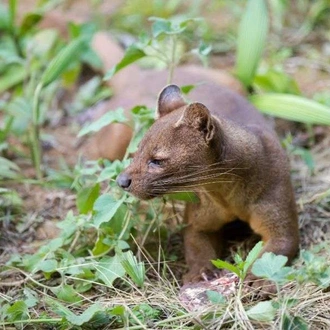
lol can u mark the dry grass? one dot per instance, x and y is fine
(161, 290)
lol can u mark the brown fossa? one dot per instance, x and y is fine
(223, 150)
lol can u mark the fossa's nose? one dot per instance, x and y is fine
(124, 180)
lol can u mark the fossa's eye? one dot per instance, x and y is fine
(155, 162)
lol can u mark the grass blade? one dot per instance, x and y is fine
(252, 34)
(133, 268)
(63, 59)
(292, 107)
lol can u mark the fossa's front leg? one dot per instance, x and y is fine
(202, 243)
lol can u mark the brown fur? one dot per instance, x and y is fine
(224, 150)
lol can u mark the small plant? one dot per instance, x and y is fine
(164, 32)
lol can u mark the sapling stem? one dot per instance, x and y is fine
(172, 63)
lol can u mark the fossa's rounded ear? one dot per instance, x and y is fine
(169, 99)
(198, 116)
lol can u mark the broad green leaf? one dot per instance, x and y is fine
(169, 26)
(86, 198)
(31, 299)
(108, 269)
(118, 310)
(226, 265)
(117, 227)
(86, 316)
(66, 293)
(143, 114)
(272, 267)
(116, 116)
(186, 89)
(105, 208)
(215, 297)
(292, 107)
(58, 308)
(160, 26)
(112, 169)
(18, 311)
(252, 256)
(252, 34)
(13, 75)
(132, 54)
(47, 266)
(262, 312)
(43, 42)
(29, 21)
(69, 225)
(100, 246)
(294, 323)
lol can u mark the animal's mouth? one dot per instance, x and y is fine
(144, 195)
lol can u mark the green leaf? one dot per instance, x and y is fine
(86, 198)
(252, 256)
(108, 269)
(292, 107)
(58, 308)
(294, 323)
(31, 299)
(226, 265)
(86, 316)
(13, 75)
(112, 169)
(18, 311)
(100, 246)
(169, 26)
(62, 60)
(262, 312)
(47, 266)
(215, 297)
(252, 34)
(66, 293)
(116, 116)
(160, 26)
(105, 208)
(271, 266)
(132, 54)
(186, 89)
(29, 21)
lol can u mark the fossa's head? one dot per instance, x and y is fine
(177, 152)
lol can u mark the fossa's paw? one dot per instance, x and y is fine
(204, 274)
